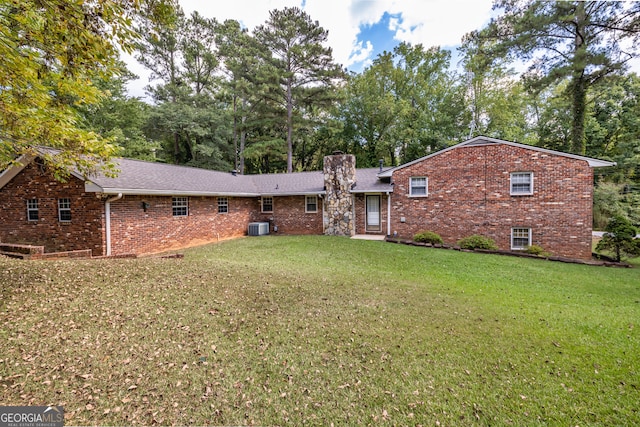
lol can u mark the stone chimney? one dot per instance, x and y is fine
(339, 177)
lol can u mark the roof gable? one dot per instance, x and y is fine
(484, 140)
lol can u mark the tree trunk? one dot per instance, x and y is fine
(579, 83)
(243, 140)
(579, 95)
(289, 128)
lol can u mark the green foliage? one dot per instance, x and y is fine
(477, 241)
(403, 106)
(537, 250)
(619, 237)
(50, 52)
(428, 237)
(615, 200)
(301, 71)
(574, 41)
(193, 125)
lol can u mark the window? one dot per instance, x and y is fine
(521, 183)
(223, 205)
(311, 204)
(32, 210)
(180, 206)
(64, 210)
(267, 204)
(418, 186)
(520, 238)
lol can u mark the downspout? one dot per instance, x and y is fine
(388, 214)
(107, 214)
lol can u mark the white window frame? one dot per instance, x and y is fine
(520, 233)
(266, 200)
(513, 181)
(412, 186)
(223, 205)
(32, 208)
(64, 206)
(180, 206)
(314, 202)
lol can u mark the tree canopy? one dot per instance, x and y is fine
(580, 41)
(50, 54)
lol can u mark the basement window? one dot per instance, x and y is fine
(521, 183)
(311, 204)
(520, 238)
(223, 205)
(32, 210)
(418, 186)
(64, 210)
(267, 204)
(180, 206)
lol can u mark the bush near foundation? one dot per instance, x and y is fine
(477, 241)
(428, 237)
(536, 250)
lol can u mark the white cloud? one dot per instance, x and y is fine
(440, 22)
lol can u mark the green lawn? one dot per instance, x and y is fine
(320, 330)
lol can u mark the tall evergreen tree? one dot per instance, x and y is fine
(577, 41)
(302, 67)
(190, 119)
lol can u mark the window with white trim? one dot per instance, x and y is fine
(64, 210)
(32, 210)
(521, 183)
(418, 186)
(311, 204)
(520, 238)
(267, 204)
(180, 206)
(223, 205)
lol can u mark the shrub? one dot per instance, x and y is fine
(477, 241)
(536, 250)
(619, 237)
(428, 237)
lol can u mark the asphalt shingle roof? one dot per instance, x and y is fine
(140, 177)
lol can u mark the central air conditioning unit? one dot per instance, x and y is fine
(258, 228)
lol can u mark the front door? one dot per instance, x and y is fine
(373, 213)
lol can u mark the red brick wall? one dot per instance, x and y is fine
(361, 215)
(135, 231)
(469, 194)
(290, 217)
(84, 231)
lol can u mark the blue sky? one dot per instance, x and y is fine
(358, 29)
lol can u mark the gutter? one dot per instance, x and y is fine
(107, 214)
(388, 213)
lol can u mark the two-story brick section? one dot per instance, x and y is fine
(519, 195)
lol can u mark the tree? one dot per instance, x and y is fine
(120, 118)
(619, 237)
(50, 52)
(496, 100)
(187, 117)
(406, 104)
(241, 55)
(300, 65)
(577, 41)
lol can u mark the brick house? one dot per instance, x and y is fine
(516, 194)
